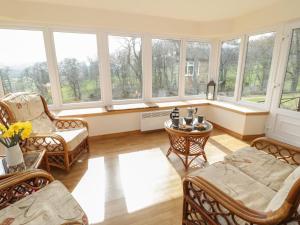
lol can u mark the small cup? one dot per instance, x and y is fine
(200, 119)
(188, 120)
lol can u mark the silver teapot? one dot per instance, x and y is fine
(191, 112)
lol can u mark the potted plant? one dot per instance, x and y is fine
(10, 137)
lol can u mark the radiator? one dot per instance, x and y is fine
(154, 120)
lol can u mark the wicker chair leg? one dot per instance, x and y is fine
(46, 162)
(169, 152)
(87, 146)
(186, 162)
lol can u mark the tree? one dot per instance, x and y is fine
(293, 68)
(70, 74)
(6, 83)
(165, 67)
(228, 66)
(126, 68)
(38, 79)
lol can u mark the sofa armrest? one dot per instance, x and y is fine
(51, 142)
(20, 185)
(288, 153)
(69, 123)
(206, 204)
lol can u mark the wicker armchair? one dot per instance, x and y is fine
(64, 139)
(34, 197)
(205, 202)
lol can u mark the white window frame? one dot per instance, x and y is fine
(47, 49)
(183, 64)
(238, 71)
(126, 101)
(180, 80)
(272, 72)
(236, 99)
(278, 85)
(75, 105)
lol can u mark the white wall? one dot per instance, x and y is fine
(67, 16)
(239, 123)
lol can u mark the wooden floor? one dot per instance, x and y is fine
(128, 180)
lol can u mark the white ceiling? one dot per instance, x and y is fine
(196, 10)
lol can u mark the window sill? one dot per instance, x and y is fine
(154, 106)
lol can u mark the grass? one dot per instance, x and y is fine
(88, 90)
(284, 103)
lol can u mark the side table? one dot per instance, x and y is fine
(188, 142)
(33, 160)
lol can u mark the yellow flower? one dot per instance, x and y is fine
(2, 128)
(9, 133)
(22, 129)
(16, 127)
(27, 128)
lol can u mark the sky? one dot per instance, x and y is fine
(75, 45)
(20, 48)
(23, 47)
(117, 42)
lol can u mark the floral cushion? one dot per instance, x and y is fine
(52, 205)
(237, 185)
(24, 106)
(29, 107)
(261, 166)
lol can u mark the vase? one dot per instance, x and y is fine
(14, 159)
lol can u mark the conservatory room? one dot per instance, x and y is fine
(162, 112)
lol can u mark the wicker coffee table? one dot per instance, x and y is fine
(188, 143)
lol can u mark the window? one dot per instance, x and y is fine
(23, 64)
(257, 67)
(125, 55)
(290, 98)
(78, 66)
(196, 69)
(165, 67)
(228, 67)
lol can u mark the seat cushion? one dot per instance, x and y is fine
(261, 166)
(237, 185)
(281, 195)
(52, 205)
(42, 124)
(73, 137)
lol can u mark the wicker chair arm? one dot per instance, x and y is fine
(51, 142)
(69, 123)
(20, 185)
(201, 197)
(288, 153)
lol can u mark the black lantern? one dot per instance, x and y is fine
(211, 90)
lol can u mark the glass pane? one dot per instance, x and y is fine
(228, 67)
(126, 67)
(257, 67)
(23, 64)
(290, 98)
(78, 66)
(196, 68)
(165, 67)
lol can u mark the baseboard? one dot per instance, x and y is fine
(114, 135)
(237, 135)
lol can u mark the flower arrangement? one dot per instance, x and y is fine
(10, 136)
